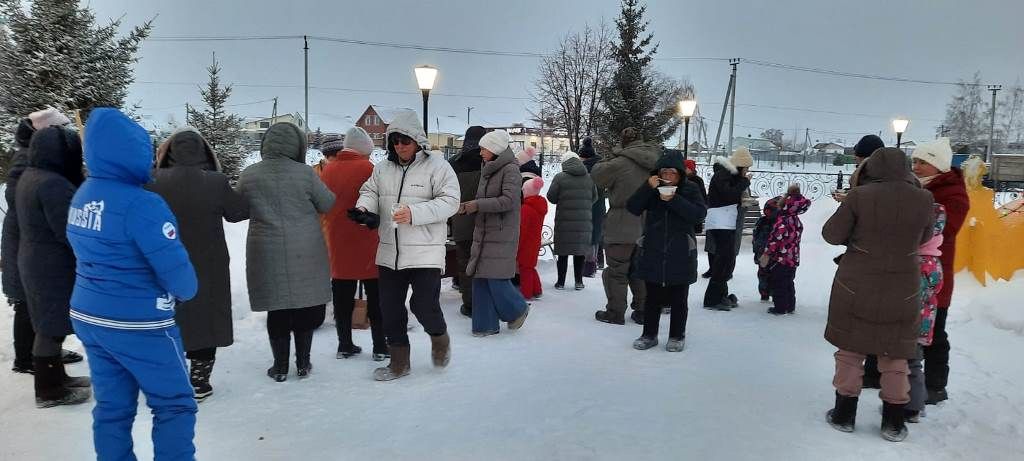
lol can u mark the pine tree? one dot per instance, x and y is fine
(56, 55)
(637, 96)
(966, 120)
(221, 130)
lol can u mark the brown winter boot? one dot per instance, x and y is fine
(398, 367)
(440, 350)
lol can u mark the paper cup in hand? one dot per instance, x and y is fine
(394, 210)
(667, 191)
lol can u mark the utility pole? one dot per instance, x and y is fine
(721, 120)
(992, 122)
(541, 154)
(305, 53)
(468, 110)
(273, 112)
(732, 107)
(186, 113)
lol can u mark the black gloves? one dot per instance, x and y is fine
(371, 220)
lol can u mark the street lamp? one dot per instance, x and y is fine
(425, 76)
(686, 109)
(899, 125)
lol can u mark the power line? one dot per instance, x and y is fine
(817, 70)
(346, 90)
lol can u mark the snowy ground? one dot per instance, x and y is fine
(565, 387)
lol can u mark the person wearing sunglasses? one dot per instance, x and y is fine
(411, 195)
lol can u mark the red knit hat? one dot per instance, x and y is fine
(691, 164)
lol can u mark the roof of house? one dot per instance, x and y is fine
(828, 145)
(754, 144)
(387, 114)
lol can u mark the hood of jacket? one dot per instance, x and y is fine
(187, 147)
(954, 177)
(406, 123)
(671, 161)
(574, 166)
(284, 140)
(499, 162)
(467, 161)
(117, 148)
(795, 205)
(58, 150)
(643, 154)
(888, 164)
(724, 163)
(23, 135)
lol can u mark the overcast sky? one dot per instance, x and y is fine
(938, 40)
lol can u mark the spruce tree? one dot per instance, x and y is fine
(54, 54)
(221, 129)
(637, 95)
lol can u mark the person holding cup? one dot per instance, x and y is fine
(667, 257)
(410, 195)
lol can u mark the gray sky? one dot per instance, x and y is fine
(940, 40)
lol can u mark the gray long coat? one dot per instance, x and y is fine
(188, 179)
(496, 235)
(574, 193)
(286, 257)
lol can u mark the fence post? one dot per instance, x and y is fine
(839, 183)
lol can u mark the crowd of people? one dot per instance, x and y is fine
(132, 257)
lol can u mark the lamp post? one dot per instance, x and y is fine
(425, 76)
(899, 125)
(686, 109)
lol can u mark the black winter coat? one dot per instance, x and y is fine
(201, 199)
(668, 255)
(9, 243)
(467, 165)
(600, 206)
(45, 259)
(726, 186)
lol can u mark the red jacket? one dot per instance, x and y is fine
(352, 247)
(950, 191)
(531, 224)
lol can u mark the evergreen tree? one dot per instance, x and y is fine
(56, 55)
(966, 121)
(221, 129)
(637, 96)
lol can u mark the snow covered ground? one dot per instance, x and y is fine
(565, 387)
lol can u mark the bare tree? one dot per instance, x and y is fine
(570, 80)
(774, 135)
(1011, 123)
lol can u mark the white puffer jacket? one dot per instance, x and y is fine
(428, 186)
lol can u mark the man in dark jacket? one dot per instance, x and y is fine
(667, 260)
(45, 260)
(467, 165)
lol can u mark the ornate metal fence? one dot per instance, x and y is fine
(774, 183)
(1005, 196)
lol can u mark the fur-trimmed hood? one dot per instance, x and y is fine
(724, 162)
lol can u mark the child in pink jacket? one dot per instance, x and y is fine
(931, 284)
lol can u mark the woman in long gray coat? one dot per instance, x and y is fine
(286, 257)
(492, 261)
(188, 178)
(574, 193)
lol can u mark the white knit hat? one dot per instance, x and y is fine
(495, 141)
(569, 155)
(937, 153)
(356, 139)
(48, 117)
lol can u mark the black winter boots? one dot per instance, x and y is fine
(54, 387)
(303, 344)
(199, 375)
(280, 348)
(894, 428)
(844, 415)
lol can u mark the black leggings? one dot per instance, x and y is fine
(563, 267)
(281, 323)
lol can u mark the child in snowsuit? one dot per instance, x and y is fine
(132, 271)
(931, 284)
(782, 252)
(762, 230)
(531, 223)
